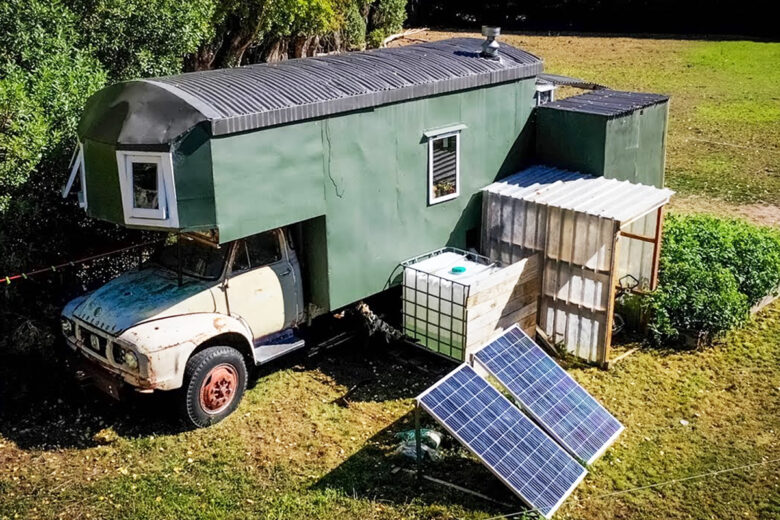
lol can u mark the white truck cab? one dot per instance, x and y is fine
(193, 317)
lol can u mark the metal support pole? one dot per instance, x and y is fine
(418, 440)
(178, 256)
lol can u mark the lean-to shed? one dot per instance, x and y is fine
(595, 234)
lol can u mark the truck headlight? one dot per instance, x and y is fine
(67, 326)
(131, 360)
(125, 357)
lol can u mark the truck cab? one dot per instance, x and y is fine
(192, 318)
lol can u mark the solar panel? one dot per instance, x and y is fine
(550, 395)
(517, 451)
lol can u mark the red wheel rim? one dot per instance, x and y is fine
(219, 388)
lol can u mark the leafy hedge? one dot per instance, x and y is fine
(712, 271)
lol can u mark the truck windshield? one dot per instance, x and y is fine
(197, 259)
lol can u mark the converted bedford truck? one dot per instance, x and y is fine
(290, 193)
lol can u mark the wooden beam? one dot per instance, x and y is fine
(622, 356)
(659, 224)
(638, 237)
(604, 357)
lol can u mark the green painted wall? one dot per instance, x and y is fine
(104, 199)
(192, 175)
(194, 184)
(630, 147)
(635, 146)
(571, 140)
(366, 172)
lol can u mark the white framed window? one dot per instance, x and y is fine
(77, 170)
(148, 190)
(443, 166)
(544, 94)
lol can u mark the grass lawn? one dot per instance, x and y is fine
(293, 451)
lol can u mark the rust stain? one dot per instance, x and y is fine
(219, 323)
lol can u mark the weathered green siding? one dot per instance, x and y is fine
(635, 146)
(104, 198)
(571, 140)
(194, 185)
(367, 172)
(630, 147)
(192, 175)
(268, 178)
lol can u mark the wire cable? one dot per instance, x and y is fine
(72, 263)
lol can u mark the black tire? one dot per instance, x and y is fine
(214, 376)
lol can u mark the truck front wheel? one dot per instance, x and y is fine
(214, 383)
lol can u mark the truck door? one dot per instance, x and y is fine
(262, 285)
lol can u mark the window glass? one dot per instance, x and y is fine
(241, 260)
(145, 188)
(197, 259)
(263, 249)
(444, 175)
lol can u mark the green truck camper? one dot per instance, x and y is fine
(299, 187)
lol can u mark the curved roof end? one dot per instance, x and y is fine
(139, 113)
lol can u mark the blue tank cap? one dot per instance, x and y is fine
(458, 269)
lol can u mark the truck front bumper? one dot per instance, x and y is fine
(92, 370)
(94, 375)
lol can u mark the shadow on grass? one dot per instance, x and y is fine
(377, 473)
(43, 407)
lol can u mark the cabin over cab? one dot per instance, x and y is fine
(380, 154)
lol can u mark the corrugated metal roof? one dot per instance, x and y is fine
(610, 103)
(622, 201)
(567, 81)
(250, 97)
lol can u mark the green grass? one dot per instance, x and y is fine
(291, 451)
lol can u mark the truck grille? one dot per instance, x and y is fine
(94, 342)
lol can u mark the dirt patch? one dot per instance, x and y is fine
(762, 214)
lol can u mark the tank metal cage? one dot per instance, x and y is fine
(435, 313)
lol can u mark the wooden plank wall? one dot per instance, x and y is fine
(508, 297)
(575, 267)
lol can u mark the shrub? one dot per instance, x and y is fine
(712, 271)
(386, 17)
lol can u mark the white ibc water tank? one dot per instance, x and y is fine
(435, 293)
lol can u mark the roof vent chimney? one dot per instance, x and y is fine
(490, 45)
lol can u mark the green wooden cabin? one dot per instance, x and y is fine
(380, 155)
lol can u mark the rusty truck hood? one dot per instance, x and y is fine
(139, 296)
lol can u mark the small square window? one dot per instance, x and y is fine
(145, 185)
(444, 168)
(148, 190)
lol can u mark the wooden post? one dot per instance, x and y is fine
(604, 358)
(659, 224)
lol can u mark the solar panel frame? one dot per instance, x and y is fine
(536, 417)
(509, 406)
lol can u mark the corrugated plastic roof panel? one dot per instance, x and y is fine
(255, 96)
(609, 103)
(622, 201)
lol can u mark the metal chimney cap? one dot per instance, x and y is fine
(491, 31)
(490, 45)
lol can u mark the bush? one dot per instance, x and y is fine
(711, 272)
(385, 17)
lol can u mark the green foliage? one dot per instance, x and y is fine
(711, 272)
(142, 38)
(354, 24)
(386, 17)
(45, 78)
